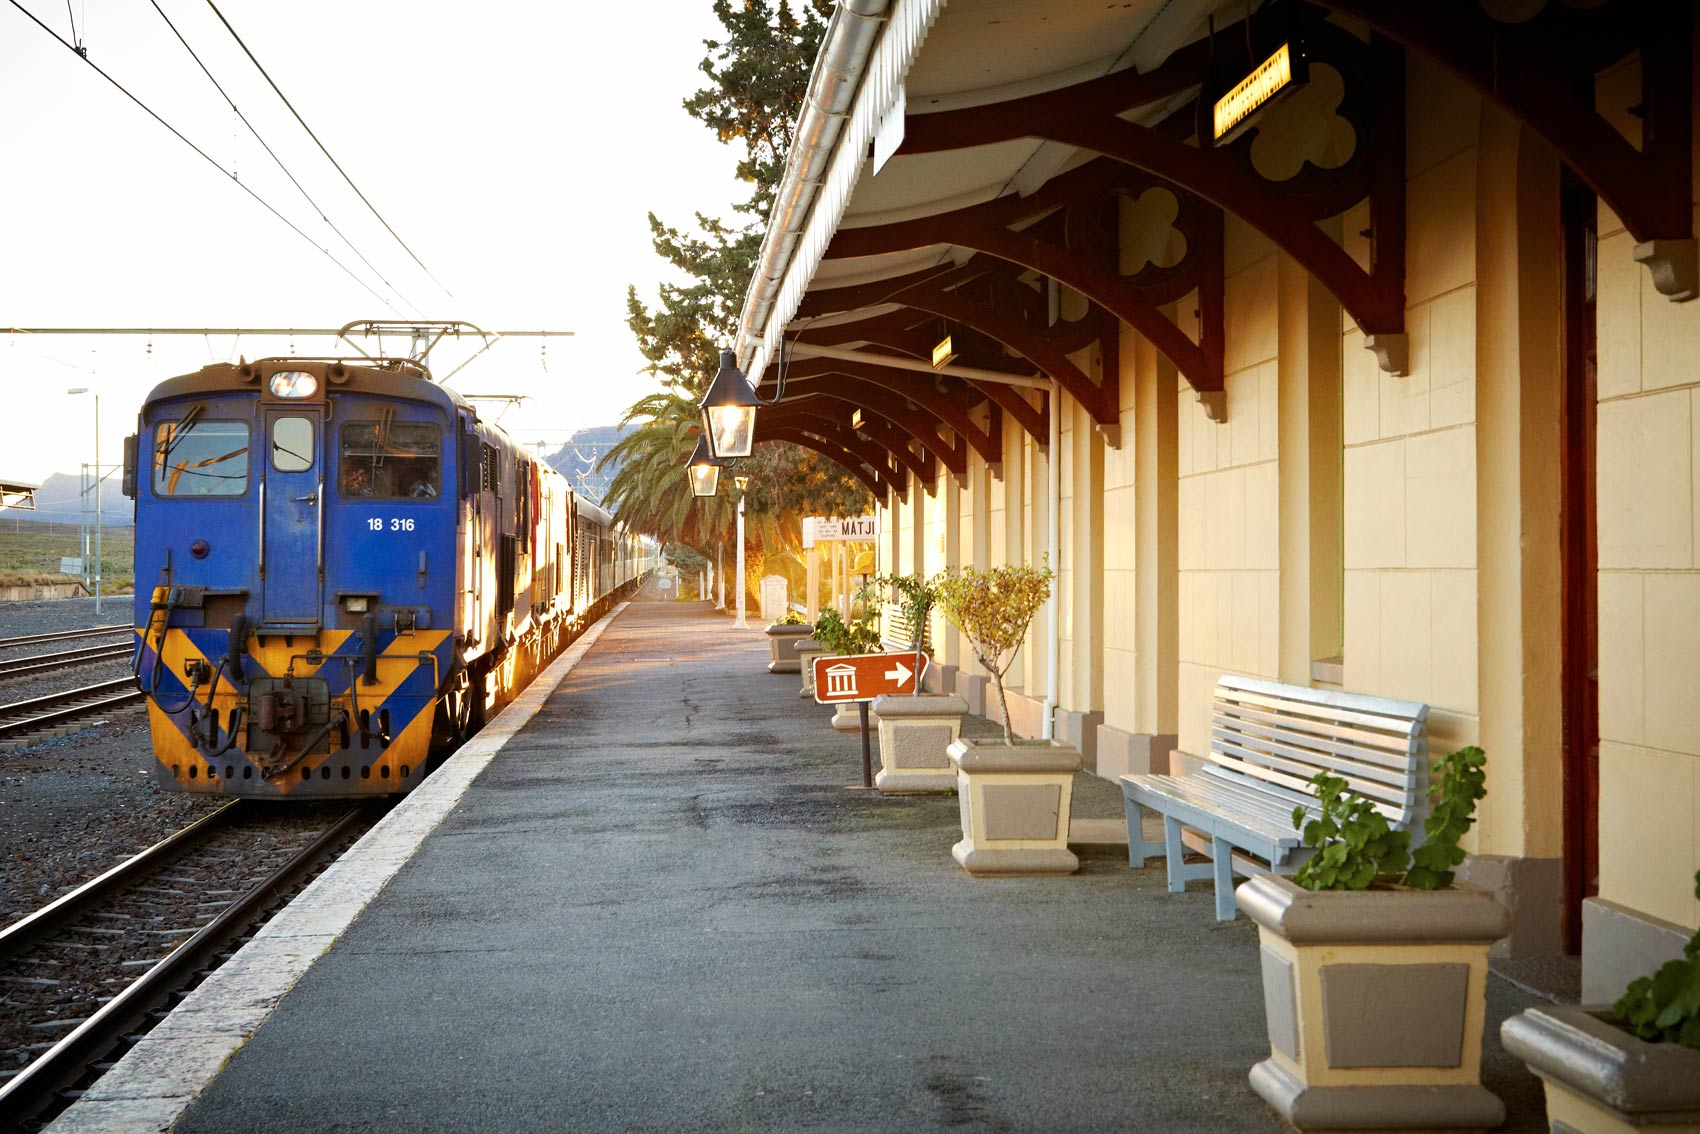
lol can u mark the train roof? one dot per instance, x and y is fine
(400, 377)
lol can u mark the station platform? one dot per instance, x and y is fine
(654, 897)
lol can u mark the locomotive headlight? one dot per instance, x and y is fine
(355, 604)
(294, 384)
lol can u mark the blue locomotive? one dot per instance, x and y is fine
(341, 570)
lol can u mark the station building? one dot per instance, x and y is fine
(1348, 343)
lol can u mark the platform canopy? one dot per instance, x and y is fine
(982, 194)
(17, 494)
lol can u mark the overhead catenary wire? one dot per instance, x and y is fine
(273, 155)
(208, 158)
(322, 148)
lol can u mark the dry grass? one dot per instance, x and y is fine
(30, 553)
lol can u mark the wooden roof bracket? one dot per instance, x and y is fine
(1086, 116)
(1540, 71)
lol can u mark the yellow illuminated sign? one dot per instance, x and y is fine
(1268, 79)
(943, 353)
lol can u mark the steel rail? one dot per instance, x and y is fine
(27, 930)
(66, 1061)
(35, 663)
(53, 700)
(61, 635)
(71, 712)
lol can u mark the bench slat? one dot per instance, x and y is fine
(1207, 811)
(1312, 699)
(1298, 757)
(1398, 726)
(1238, 794)
(1392, 810)
(1379, 748)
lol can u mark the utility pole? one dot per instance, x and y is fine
(97, 515)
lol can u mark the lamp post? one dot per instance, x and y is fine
(97, 516)
(743, 482)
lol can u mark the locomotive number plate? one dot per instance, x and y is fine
(392, 524)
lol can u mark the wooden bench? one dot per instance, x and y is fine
(1266, 742)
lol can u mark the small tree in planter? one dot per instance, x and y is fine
(916, 730)
(1014, 798)
(1636, 1065)
(1375, 966)
(993, 608)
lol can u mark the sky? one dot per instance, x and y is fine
(516, 147)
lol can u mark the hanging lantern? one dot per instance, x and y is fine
(704, 470)
(729, 411)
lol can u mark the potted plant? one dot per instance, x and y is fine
(783, 638)
(916, 729)
(1633, 1066)
(1375, 975)
(859, 635)
(1014, 797)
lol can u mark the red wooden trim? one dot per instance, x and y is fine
(808, 413)
(879, 480)
(1530, 69)
(916, 388)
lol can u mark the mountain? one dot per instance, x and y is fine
(576, 460)
(59, 500)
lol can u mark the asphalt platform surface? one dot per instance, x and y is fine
(665, 907)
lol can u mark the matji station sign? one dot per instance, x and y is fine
(853, 529)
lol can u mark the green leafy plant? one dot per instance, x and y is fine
(1665, 1007)
(1356, 846)
(860, 635)
(1463, 782)
(792, 618)
(993, 608)
(916, 598)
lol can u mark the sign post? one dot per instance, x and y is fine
(861, 678)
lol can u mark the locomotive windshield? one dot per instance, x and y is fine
(194, 457)
(391, 460)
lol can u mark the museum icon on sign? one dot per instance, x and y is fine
(841, 680)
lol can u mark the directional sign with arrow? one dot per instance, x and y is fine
(862, 677)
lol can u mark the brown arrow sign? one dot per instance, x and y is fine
(862, 677)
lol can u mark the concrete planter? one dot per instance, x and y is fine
(1375, 1001)
(1601, 1078)
(915, 735)
(782, 643)
(807, 651)
(1015, 806)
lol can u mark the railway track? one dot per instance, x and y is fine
(23, 722)
(84, 976)
(66, 635)
(39, 663)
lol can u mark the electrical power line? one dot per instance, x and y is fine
(232, 103)
(207, 157)
(322, 148)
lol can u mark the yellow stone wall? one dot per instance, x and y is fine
(1229, 554)
(1649, 571)
(1419, 540)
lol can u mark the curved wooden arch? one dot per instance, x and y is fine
(888, 415)
(1085, 116)
(1531, 71)
(907, 385)
(808, 413)
(1007, 398)
(870, 477)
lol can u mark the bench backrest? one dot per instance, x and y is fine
(896, 633)
(1276, 737)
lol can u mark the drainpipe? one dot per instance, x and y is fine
(1053, 552)
(838, 71)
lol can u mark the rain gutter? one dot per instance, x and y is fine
(857, 79)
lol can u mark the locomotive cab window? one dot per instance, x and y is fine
(391, 460)
(292, 444)
(194, 457)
